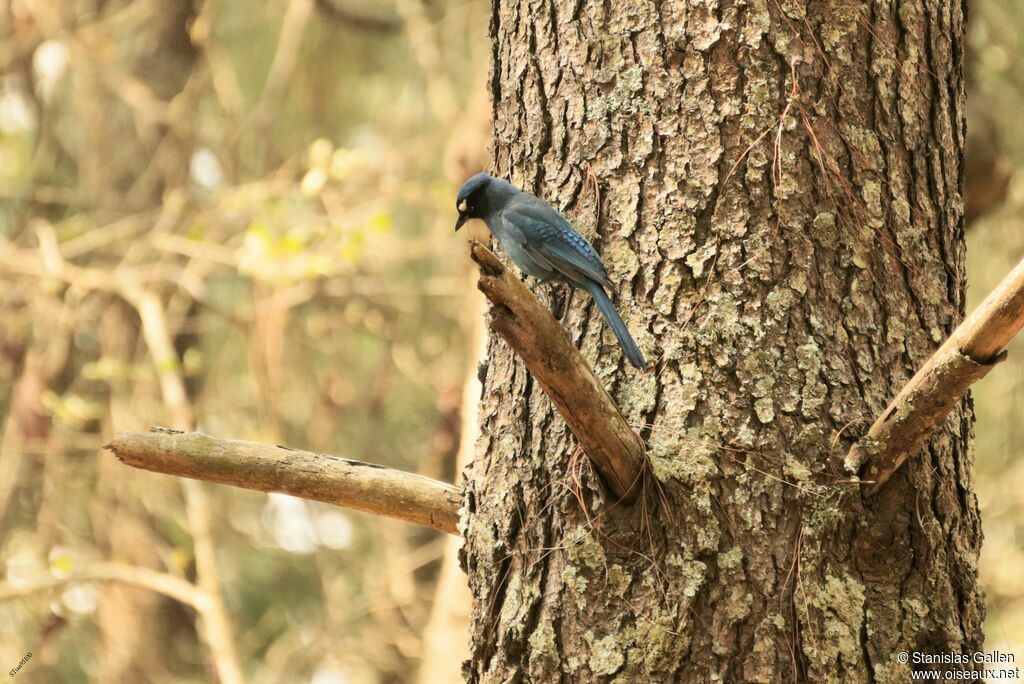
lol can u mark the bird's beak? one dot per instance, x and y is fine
(462, 219)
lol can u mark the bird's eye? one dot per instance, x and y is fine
(463, 207)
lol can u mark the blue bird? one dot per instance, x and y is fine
(542, 243)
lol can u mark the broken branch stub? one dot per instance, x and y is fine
(925, 401)
(583, 402)
(271, 468)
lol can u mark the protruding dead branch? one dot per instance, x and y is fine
(969, 353)
(590, 412)
(269, 468)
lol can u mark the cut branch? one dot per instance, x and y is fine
(270, 468)
(590, 412)
(969, 353)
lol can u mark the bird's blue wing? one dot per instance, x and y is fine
(551, 241)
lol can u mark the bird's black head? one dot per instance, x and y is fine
(472, 202)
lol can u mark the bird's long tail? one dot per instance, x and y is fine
(629, 347)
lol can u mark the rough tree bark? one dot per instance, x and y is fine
(775, 187)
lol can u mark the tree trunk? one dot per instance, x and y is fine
(775, 188)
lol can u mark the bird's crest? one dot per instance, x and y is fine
(470, 187)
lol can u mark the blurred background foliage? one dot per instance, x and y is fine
(994, 179)
(252, 201)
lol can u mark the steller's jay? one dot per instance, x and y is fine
(542, 243)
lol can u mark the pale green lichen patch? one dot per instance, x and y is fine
(730, 559)
(637, 396)
(621, 260)
(795, 469)
(624, 98)
(839, 32)
(740, 496)
(765, 410)
(668, 288)
(757, 158)
(809, 360)
(618, 580)
(904, 409)
(883, 67)
(693, 573)
(780, 301)
(808, 357)
(865, 141)
(581, 551)
(692, 464)
(682, 396)
(582, 548)
(758, 369)
(789, 392)
(709, 532)
(822, 515)
(896, 332)
(825, 229)
(722, 327)
(606, 654)
(758, 21)
(841, 603)
(542, 645)
(756, 480)
(789, 184)
(810, 439)
(623, 203)
(744, 436)
(655, 641)
(901, 208)
(576, 584)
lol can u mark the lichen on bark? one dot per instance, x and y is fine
(775, 188)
